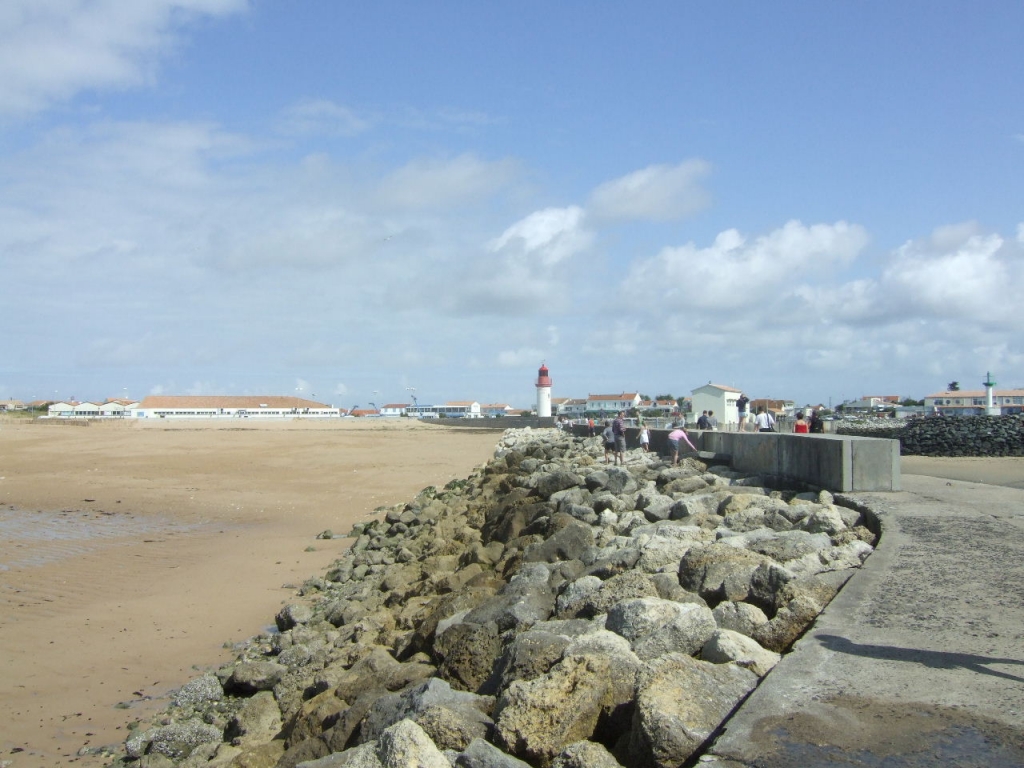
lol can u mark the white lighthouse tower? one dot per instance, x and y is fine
(543, 393)
(991, 409)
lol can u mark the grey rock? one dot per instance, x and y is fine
(202, 689)
(405, 744)
(727, 646)
(481, 754)
(537, 719)
(655, 627)
(250, 677)
(585, 754)
(570, 543)
(718, 571)
(394, 707)
(680, 702)
(258, 721)
(739, 617)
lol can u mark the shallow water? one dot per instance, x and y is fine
(32, 538)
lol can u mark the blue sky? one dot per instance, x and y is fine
(811, 201)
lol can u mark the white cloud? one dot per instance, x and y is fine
(655, 193)
(733, 273)
(52, 49)
(433, 184)
(547, 237)
(958, 273)
(312, 117)
(529, 265)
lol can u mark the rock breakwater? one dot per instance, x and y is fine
(946, 436)
(549, 610)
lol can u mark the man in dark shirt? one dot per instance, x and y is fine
(619, 430)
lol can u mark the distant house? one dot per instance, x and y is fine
(777, 408)
(494, 410)
(61, 410)
(393, 409)
(609, 404)
(459, 409)
(11, 405)
(873, 403)
(572, 407)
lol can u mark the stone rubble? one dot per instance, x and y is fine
(550, 610)
(945, 436)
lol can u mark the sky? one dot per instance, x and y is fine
(373, 202)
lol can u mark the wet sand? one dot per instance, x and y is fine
(132, 555)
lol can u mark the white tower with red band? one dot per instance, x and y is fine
(543, 392)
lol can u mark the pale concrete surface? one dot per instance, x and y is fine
(919, 661)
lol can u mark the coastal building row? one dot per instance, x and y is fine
(263, 407)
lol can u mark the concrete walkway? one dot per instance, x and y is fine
(919, 661)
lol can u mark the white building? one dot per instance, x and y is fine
(231, 407)
(609, 404)
(459, 409)
(718, 398)
(494, 410)
(393, 409)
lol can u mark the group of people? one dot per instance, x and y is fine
(763, 421)
(615, 439)
(614, 434)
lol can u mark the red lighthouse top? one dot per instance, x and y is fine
(543, 380)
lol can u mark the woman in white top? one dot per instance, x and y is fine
(764, 420)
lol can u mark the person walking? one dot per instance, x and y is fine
(712, 420)
(609, 440)
(645, 439)
(764, 420)
(619, 431)
(673, 441)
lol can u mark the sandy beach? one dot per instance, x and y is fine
(132, 555)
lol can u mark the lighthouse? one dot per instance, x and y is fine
(991, 409)
(543, 393)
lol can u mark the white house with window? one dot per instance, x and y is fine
(718, 398)
(393, 409)
(609, 404)
(460, 409)
(494, 410)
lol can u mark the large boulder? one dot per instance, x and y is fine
(680, 702)
(536, 719)
(727, 646)
(406, 744)
(719, 571)
(655, 626)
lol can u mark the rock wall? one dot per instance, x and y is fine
(947, 436)
(550, 610)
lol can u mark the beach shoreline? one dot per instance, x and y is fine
(135, 555)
